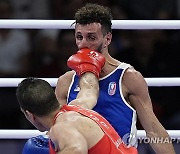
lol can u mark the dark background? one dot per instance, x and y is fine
(43, 53)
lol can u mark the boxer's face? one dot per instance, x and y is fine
(91, 36)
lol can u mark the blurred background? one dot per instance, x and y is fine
(43, 53)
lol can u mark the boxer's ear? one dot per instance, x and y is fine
(29, 116)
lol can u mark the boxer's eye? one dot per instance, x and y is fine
(79, 37)
(91, 38)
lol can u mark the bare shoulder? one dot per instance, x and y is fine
(63, 125)
(131, 73)
(62, 86)
(67, 77)
(58, 134)
(133, 79)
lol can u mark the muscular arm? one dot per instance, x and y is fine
(62, 87)
(89, 90)
(139, 98)
(67, 139)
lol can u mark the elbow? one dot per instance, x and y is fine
(78, 150)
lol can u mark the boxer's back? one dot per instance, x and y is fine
(100, 136)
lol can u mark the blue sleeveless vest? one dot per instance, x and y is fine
(111, 104)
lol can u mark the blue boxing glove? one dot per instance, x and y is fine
(37, 145)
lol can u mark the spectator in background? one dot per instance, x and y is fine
(14, 62)
(45, 55)
(149, 53)
(65, 9)
(14, 46)
(66, 47)
(148, 10)
(121, 38)
(31, 9)
(51, 51)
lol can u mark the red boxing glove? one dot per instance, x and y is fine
(86, 60)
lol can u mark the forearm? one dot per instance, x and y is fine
(161, 142)
(89, 91)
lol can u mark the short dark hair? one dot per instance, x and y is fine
(37, 96)
(91, 13)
